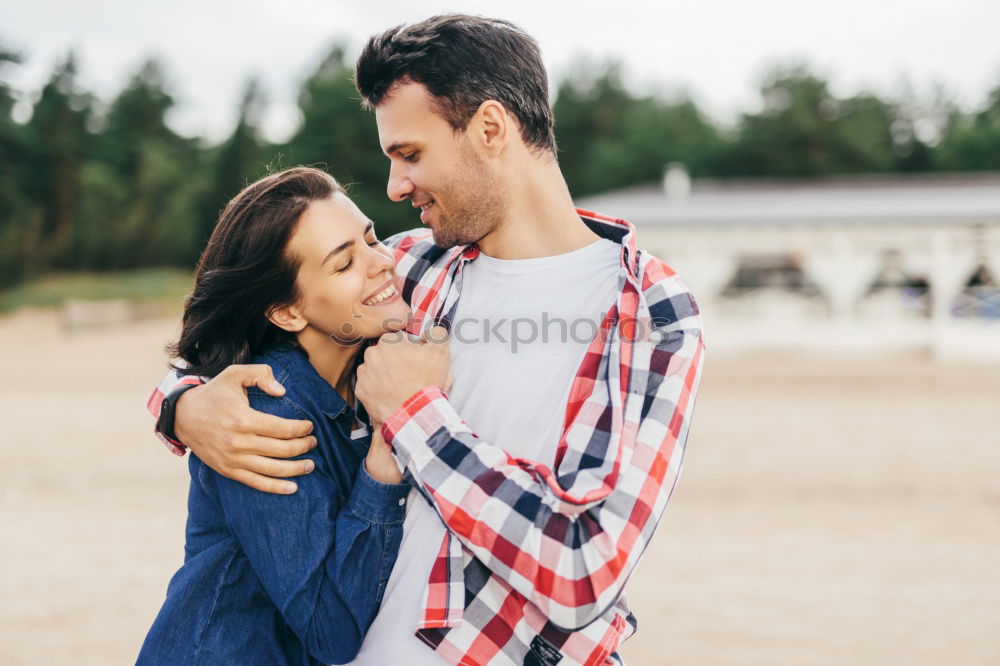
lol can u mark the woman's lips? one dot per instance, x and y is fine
(381, 290)
(391, 299)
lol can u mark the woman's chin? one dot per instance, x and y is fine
(390, 321)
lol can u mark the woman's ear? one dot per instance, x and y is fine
(288, 318)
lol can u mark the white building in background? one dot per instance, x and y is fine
(852, 263)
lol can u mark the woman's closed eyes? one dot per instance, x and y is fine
(350, 262)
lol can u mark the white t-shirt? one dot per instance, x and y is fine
(518, 337)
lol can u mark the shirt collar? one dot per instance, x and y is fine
(613, 229)
(303, 384)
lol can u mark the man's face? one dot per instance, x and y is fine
(439, 170)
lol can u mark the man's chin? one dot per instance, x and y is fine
(445, 241)
(445, 238)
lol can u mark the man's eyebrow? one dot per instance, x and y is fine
(396, 147)
(346, 244)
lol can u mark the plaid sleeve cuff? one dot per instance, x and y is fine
(175, 448)
(417, 407)
(415, 429)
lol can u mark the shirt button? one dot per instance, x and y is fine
(402, 501)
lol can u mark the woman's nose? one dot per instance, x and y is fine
(382, 260)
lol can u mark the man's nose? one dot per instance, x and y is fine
(399, 186)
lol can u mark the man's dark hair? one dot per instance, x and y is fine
(463, 61)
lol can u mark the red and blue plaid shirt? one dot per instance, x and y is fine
(535, 560)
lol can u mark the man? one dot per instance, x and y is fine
(527, 530)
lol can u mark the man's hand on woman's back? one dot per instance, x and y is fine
(217, 423)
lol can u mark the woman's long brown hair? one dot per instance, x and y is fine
(245, 272)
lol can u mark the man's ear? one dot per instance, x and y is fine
(288, 318)
(493, 125)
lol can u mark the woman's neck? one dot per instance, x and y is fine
(333, 360)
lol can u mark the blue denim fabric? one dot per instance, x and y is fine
(283, 579)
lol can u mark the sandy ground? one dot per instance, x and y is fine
(832, 510)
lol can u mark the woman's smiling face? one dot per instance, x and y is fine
(346, 282)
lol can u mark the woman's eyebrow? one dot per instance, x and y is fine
(340, 248)
(346, 244)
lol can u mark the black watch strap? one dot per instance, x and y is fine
(168, 411)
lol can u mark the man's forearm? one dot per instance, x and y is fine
(569, 550)
(216, 421)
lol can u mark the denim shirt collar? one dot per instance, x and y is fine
(303, 384)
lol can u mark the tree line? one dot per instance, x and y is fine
(92, 185)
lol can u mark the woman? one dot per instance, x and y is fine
(294, 277)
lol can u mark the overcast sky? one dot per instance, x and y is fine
(716, 49)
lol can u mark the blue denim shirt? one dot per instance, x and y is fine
(283, 579)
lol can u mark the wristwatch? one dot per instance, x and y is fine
(168, 410)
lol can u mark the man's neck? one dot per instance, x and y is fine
(541, 220)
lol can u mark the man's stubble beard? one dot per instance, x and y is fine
(477, 204)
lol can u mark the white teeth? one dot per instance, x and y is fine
(381, 296)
